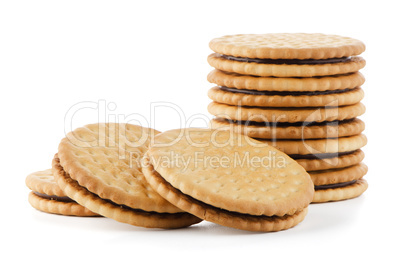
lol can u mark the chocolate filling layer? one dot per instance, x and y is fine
(319, 155)
(161, 215)
(204, 205)
(338, 185)
(285, 93)
(53, 197)
(289, 61)
(285, 124)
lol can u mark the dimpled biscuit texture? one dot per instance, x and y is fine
(287, 45)
(118, 212)
(220, 216)
(231, 171)
(105, 159)
(43, 182)
(325, 83)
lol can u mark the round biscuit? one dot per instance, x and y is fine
(105, 159)
(285, 70)
(117, 212)
(242, 99)
(288, 115)
(340, 175)
(332, 163)
(43, 182)
(317, 146)
(343, 193)
(308, 131)
(287, 46)
(59, 207)
(324, 83)
(226, 218)
(231, 171)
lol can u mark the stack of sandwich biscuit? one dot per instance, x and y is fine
(300, 93)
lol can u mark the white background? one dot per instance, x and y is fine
(57, 54)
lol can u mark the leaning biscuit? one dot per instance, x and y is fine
(223, 217)
(98, 165)
(120, 213)
(43, 182)
(47, 196)
(215, 186)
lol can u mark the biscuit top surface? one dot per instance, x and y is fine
(231, 171)
(287, 46)
(105, 159)
(43, 182)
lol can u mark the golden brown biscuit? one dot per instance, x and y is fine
(120, 213)
(47, 196)
(338, 160)
(216, 169)
(341, 193)
(43, 182)
(316, 146)
(288, 115)
(340, 175)
(307, 130)
(287, 46)
(104, 159)
(285, 70)
(325, 83)
(260, 223)
(276, 99)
